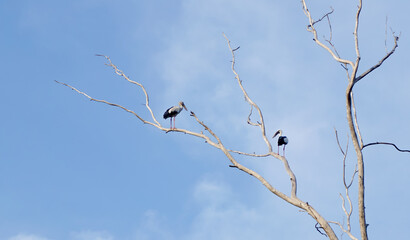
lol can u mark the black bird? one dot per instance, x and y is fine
(282, 140)
(172, 112)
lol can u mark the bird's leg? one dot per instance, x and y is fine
(284, 150)
(170, 123)
(278, 149)
(174, 123)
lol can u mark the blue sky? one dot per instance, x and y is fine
(72, 169)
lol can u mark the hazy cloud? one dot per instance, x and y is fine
(91, 235)
(22, 236)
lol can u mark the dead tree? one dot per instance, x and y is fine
(351, 67)
(353, 76)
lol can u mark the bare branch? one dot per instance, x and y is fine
(396, 39)
(347, 186)
(108, 103)
(338, 143)
(386, 143)
(330, 30)
(324, 16)
(344, 165)
(353, 133)
(121, 73)
(318, 227)
(250, 154)
(344, 230)
(329, 41)
(249, 121)
(311, 28)
(359, 135)
(166, 130)
(261, 122)
(356, 32)
(385, 36)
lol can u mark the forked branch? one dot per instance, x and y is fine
(396, 39)
(355, 134)
(311, 28)
(261, 122)
(216, 142)
(121, 73)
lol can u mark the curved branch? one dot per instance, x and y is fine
(386, 143)
(260, 123)
(344, 230)
(293, 199)
(356, 31)
(108, 103)
(166, 130)
(311, 28)
(121, 73)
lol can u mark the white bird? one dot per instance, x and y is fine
(172, 112)
(282, 140)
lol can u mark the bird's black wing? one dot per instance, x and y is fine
(167, 114)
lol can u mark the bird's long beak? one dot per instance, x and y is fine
(183, 105)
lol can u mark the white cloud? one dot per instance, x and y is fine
(218, 214)
(91, 235)
(212, 192)
(221, 214)
(22, 236)
(153, 227)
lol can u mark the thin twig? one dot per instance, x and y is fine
(329, 41)
(108, 103)
(344, 230)
(396, 39)
(249, 121)
(326, 15)
(311, 28)
(338, 143)
(318, 227)
(385, 36)
(121, 73)
(261, 122)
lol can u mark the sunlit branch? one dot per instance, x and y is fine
(200, 135)
(261, 122)
(356, 32)
(329, 41)
(250, 154)
(249, 121)
(344, 230)
(311, 28)
(121, 73)
(108, 103)
(359, 135)
(347, 186)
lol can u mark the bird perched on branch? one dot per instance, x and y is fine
(282, 140)
(172, 112)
